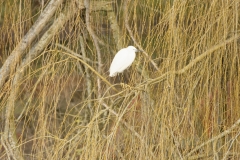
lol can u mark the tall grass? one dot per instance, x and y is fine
(187, 109)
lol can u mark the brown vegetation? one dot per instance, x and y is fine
(183, 95)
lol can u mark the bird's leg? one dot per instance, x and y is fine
(122, 84)
(119, 79)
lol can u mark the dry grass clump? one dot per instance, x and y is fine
(57, 101)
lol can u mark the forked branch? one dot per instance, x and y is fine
(195, 61)
(19, 50)
(235, 125)
(8, 138)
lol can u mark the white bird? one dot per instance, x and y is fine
(122, 60)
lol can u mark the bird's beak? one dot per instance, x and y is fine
(139, 50)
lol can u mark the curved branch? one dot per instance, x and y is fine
(209, 51)
(8, 138)
(195, 61)
(16, 54)
(92, 69)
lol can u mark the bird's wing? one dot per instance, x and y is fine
(118, 60)
(121, 61)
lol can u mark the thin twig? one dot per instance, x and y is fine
(235, 125)
(75, 54)
(94, 37)
(8, 137)
(176, 143)
(230, 146)
(88, 78)
(209, 51)
(114, 26)
(92, 69)
(128, 126)
(17, 53)
(126, 18)
(195, 61)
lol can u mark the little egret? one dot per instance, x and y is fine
(122, 60)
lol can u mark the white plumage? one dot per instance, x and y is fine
(122, 60)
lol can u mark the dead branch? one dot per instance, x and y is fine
(230, 146)
(8, 138)
(93, 70)
(18, 52)
(75, 54)
(129, 127)
(94, 37)
(88, 78)
(195, 61)
(209, 51)
(114, 26)
(235, 125)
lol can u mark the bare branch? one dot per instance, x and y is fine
(235, 125)
(114, 26)
(209, 51)
(88, 78)
(75, 54)
(8, 137)
(129, 127)
(93, 70)
(94, 37)
(16, 54)
(196, 60)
